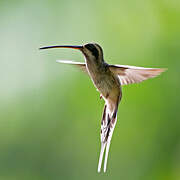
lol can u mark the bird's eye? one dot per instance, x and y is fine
(92, 48)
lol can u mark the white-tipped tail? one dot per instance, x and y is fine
(107, 128)
(103, 145)
(108, 144)
(106, 155)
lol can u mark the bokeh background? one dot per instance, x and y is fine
(50, 113)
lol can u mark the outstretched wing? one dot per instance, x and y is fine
(133, 74)
(80, 65)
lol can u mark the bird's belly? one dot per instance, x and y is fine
(106, 85)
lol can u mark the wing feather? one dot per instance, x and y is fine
(133, 74)
(80, 65)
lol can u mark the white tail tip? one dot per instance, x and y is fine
(103, 145)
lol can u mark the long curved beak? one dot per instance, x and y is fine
(72, 47)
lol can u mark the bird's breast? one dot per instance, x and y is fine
(106, 82)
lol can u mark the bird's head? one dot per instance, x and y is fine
(92, 51)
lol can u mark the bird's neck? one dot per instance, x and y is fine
(95, 67)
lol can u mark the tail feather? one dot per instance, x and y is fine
(103, 145)
(106, 155)
(108, 145)
(107, 127)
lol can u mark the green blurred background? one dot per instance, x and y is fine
(50, 113)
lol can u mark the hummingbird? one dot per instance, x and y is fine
(108, 79)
